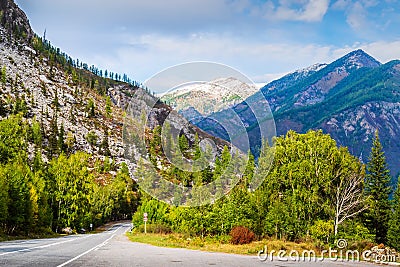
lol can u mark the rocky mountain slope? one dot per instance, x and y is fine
(69, 101)
(349, 99)
(208, 97)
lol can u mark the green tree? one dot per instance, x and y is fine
(91, 138)
(300, 185)
(3, 76)
(378, 189)
(90, 108)
(249, 171)
(123, 194)
(4, 199)
(183, 144)
(3, 108)
(56, 103)
(61, 137)
(53, 147)
(37, 137)
(70, 141)
(104, 147)
(108, 107)
(393, 234)
(12, 135)
(20, 214)
(196, 147)
(73, 189)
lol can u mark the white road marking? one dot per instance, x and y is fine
(90, 250)
(43, 246)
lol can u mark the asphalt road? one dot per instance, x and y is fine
(112, 248)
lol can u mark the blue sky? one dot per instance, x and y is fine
(263, 39)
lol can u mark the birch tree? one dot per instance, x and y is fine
(350, 200)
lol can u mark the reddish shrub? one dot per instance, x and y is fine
(241, 235)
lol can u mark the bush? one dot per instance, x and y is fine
(322, 230)
(155, 229)
(241, 235)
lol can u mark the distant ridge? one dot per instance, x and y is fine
(349, 99)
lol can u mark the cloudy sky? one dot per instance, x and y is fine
(262, 39)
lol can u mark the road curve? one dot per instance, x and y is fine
(112, 248)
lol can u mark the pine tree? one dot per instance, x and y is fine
(53, 143)
(104, 147)
(91, 138)
(55, 102)
(393, 234)
(3, 109)
(183, 143)
(249, 171)
(61, 133)
(108, 107)
(196, 147)
(377, 188)
(3, 76)
(70, 141)
(90, 108)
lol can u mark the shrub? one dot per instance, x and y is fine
(241, 235)
(322, 230)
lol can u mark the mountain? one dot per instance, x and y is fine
(349, 98)
(315, 86)
(208, 97)
(72, 101)
(15, 24)
(286, 81)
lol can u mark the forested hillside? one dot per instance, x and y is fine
(349, 98)
(76, 142)
(62, 132)
(61, 160)
(313, 191)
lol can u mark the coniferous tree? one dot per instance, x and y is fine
(72, 115)
(3, 76)
(377, 188)
(55, 103)
(108, 107)
(53, 143)
(91, 137)
(3, 109)
(249, 171)
(90, 108)
(61, 133)
(104, 147)
(393, 234)
(183, 143)
(70, 141)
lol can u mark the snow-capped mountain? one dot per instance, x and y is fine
(209, 97)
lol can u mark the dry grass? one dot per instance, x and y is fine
(216, 244)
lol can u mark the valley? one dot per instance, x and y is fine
(309, 161)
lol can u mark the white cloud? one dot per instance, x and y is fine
(309, 11)
(383, 51)
(261, 61)
(342, 4)
(357, 16)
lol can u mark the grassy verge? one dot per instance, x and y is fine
(215, 244)
(221, 244)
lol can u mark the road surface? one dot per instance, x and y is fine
(112, 248)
